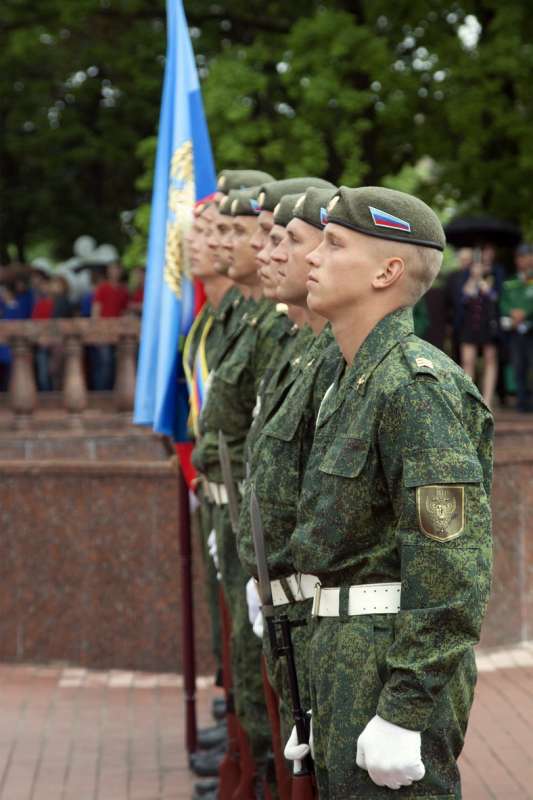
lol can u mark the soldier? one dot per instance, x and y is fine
(230, 402)
(279, 440)
(217, 321)
(394, 516)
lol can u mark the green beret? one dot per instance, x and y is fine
(224, 207)
(230, 179)
(244, 202)
(311, 207)
(271, 193)
(387, 214)
(284, 211)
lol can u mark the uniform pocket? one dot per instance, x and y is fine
(440, 466)
(231, 372)
(284, 426)
(346, 457)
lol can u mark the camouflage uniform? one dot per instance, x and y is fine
(222, 321)
(234, 386)
(281, 449)
(402, 424)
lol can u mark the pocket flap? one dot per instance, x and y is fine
(441, 465)
(230, 372)
(284, 424)
(346, 457)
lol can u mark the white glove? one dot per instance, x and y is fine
(259, 625)
(297, 752)
(212, 547)
(252, 600)
(390, 754)
(194, 503)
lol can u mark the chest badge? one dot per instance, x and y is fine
(441, 511)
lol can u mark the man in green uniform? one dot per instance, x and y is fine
(279, 440)
(516, 307)
(203, 341)
(229, 407)
(394, 516)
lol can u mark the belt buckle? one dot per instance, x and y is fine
(316, 600)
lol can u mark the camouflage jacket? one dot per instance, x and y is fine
(233, 387)
(277, 376)
(397, 488)
(227, 319)
(280, 451)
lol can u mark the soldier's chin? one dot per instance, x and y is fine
(314, 302)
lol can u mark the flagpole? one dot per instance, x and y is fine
(187, 617)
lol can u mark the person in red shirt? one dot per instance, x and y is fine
(111, 296)
(43, 309)
(137, 291)
(110, 300)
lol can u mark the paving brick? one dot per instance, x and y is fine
(119, 735)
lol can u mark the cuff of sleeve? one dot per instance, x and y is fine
(404, 711)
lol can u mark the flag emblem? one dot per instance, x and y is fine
(385, 220)
(323, 216)
(255, 206)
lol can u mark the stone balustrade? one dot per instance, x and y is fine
(73, 334)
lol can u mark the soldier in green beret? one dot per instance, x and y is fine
(234, 179)
(279, 439)
(394, 515)
(233, 390)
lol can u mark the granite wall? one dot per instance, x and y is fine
(90, 567)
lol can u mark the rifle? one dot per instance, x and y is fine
(302, 787)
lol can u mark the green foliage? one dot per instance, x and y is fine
(408, 94)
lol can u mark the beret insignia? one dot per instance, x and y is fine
(385, 220)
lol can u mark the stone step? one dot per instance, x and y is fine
(130, 444)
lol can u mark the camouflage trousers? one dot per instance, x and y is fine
(245, 646)
(277, 667)
(347, 673)
(206, 517)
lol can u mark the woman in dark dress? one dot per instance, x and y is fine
(479, 333)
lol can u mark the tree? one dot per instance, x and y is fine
(353, 91)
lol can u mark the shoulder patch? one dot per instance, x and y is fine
(441, 511)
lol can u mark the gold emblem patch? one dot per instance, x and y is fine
(441, 511)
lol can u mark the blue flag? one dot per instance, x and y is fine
(184, 173)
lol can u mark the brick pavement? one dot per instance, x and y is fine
(73, 734)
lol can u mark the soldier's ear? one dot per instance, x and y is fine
(389, 272)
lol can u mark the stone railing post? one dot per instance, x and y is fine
(22, 388)
(74, 385)
(125, 376)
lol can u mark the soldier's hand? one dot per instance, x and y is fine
(259, 625)
(297, 752)
(252, 600)
(390, 754)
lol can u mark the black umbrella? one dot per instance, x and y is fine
(473, 231)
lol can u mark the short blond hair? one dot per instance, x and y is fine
(422, 267)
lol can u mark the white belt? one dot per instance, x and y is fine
(302, 587)
(217, 493)
(369, 598)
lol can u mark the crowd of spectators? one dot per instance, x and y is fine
(39, 292)
(487, 320)
(491, 322)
